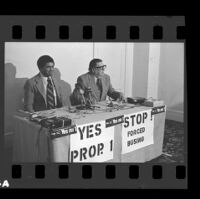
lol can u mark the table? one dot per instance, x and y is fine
(32, 143)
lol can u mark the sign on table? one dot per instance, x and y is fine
(137, 131)
(93, 142)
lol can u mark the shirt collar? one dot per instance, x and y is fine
(95, 78)
(45, 78)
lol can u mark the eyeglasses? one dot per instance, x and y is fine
(101, 67)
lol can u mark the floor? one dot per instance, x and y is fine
(173, 143)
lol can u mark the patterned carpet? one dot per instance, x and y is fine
(173, 144)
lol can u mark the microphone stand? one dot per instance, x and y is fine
(83, 101)
(89, 102)
(86, 103)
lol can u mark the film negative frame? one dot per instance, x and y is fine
(91, 29)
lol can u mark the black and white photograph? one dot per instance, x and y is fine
(94, 102)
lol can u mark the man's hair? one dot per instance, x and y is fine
(43, 60)
(93, 63)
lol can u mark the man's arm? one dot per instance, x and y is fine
(28, 96)
(113, 93)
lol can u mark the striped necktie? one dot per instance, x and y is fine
(50, 95)
(99, 85)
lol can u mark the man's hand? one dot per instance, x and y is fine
(83, 90)
(88, 90)
(121, 97)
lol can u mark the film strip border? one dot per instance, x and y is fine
(95, 28)
(91, 29)
(96, 176)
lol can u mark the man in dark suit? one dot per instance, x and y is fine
(43, 92)
(94, 85)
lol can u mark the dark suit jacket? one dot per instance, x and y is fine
(88, 80)
(34, 95)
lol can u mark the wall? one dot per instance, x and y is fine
(158, 71)
(140, 69)
(70, 58)
(171, 79)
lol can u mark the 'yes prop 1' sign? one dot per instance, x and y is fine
(93, 142)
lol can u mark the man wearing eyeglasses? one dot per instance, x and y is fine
(94, 85)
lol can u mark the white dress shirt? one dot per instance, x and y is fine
(45, 82)
(95, 79)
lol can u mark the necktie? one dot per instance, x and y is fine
(99, 85)
(50, 95)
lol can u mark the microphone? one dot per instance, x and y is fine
(81, 91)
(86, 95)
(82, 95)
(89, 96)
